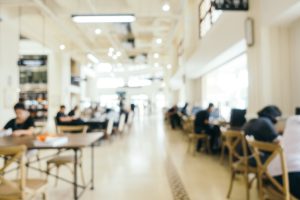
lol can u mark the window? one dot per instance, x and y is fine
(227, 86)
(208, 15)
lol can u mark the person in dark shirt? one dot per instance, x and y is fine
(202, 124)
(23, 124)
(174, 117)
(263, 128)
(73, 111)
(63, 119)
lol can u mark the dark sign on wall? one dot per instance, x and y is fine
(237, 5)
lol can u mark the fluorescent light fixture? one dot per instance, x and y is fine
(104, 18)
(98, 31)
(166, 7)
(158, 41)
(156, 55)
(62, 46)
(169, 66)
(92, 58)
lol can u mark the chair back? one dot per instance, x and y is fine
(110, 126)
(188, 125)
(62, 129)
(13, 154)
(121, 123)
(237, 148)
(273, 150)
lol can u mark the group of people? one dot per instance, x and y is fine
(262, 129)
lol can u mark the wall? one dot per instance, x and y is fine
(9, 44)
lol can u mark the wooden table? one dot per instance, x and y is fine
(75, 143)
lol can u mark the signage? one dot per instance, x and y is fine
(234, 5)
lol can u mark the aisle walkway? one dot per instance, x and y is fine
(150, 162)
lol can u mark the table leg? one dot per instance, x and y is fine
(92, 167)
(75, 173)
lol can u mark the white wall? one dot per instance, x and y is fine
(9, 44)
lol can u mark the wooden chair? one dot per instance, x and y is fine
(22, 188)
(65, 160)
(238, 161)
(268, 186)
(188, 125)
(193, 138)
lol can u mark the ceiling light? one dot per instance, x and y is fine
(92, 58)
(62, 47)
(166, 7)
(156, 65)
(98, 31)
(156, 55)
(118, 53)
(169, 66)
(109, 18)
(111, 49)
(158, 41)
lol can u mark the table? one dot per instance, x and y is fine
(75, 143)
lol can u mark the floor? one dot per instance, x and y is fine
(150, 162)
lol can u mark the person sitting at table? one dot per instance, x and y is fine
(263, 128)
(63, 119)
(201, 123)
(290, 142)
(23, 124)
(73, 111)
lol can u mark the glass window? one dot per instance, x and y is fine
(227, 86)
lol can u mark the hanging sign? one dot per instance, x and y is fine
(234, 5)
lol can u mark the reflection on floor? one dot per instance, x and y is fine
(150, 162)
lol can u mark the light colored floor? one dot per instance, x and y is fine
(146, 162)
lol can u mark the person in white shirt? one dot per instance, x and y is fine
(290, 142)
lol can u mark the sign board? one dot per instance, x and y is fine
(234, 5)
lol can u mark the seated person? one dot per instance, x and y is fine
(262, 128)
(290, 141)
(202, 124)
(63, 119)
(174, 117)
(23, 124)
(73, 111)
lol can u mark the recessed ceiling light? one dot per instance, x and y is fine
(62, 47)
(156, 65)
(98, 31)
(158, 41)
(156, 55)
(169, 66)
(109, 18)
(166, 7)
(92, 58)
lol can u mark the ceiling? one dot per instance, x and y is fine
(51, 20)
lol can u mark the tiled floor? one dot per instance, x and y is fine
(150, 162)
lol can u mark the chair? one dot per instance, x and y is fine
(238, 161)
(188, 125)
(193, 138)
(121, 125)
(60, 160)
(267, 185)
(22, 188)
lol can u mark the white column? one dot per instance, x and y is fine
(9, 72)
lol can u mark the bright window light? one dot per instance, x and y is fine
(166, 7)
(92, 58)
(103, 67)
(110, 83)
(118, 18)
(135, 82)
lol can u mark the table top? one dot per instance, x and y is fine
(74, 141)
